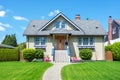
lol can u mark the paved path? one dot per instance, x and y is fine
(54, 72)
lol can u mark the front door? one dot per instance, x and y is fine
(60, 42)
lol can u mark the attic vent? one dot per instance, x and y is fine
(33, 25)
(97, 27)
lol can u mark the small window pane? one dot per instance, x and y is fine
(80, 41)
(91, 40)
(42, 40)
(37, 40)
(63, 25)
(85, 41)
(57, 24)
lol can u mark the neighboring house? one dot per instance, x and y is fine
(60, 36)
(113, 31)
(6, 46)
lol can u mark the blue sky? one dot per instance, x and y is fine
(16, 14)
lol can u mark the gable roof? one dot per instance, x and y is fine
(85, 27)
(58, 15)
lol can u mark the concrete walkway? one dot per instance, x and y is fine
(54, 72)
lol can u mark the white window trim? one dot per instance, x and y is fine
(39, 45)
(88, 41)
(60, 25)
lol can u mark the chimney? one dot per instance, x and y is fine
(109, 29)
(77, 17)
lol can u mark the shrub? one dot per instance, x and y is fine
(116, 51)
(108, 48)
(85, 54)
(29, 54)
(9, 55)
(39, 54)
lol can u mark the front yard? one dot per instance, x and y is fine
(92, 71)
(22, 70)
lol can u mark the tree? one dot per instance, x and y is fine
(21, 46)
(14, 41)
(10, 40)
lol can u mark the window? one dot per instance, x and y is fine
(63, 25)
(57, 24)
(37, 41)
(80, 41)
(91, 40)
(40, 41)
(60, 24)
(114, 30)
(85, 41)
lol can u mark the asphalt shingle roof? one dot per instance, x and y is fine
(117, 21)
(88, 27)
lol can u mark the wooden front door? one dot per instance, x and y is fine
(60, 42)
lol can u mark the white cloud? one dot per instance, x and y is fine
(2, 28)
(52, 13)
(20, 18)
(42, 17)
(2, 13)
(5, 25)
(56, 11)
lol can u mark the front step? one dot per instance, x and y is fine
(61, 56)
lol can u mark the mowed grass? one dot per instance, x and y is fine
(92, 71)
(22, 70)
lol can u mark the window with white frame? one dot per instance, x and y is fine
(80, 41)
(60, 24)
(39, 41)
(63, 24)
(42, 41)
(57, 24)
(86, 41)
(114, 30)
(91, 41)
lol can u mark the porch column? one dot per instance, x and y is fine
(67, 37)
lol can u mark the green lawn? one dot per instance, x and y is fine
(22, 70)
(92, 71)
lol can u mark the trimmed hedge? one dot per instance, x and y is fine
(39, 54)
(116, 51)
(29, 54)
(108, 48)
(9, 55)
(85, 54)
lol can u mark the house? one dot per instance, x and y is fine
(113, 31)
(62, 38)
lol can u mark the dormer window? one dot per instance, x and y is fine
(63, 25)
(57, 24)
(60, 24)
